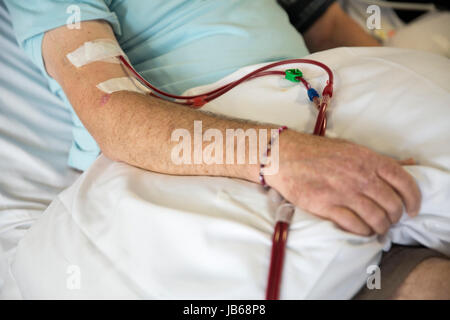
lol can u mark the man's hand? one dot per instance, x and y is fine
(361, 191)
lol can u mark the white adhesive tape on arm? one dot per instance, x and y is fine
(123, 84)
(97, 50)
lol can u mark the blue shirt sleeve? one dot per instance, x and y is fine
(31, 19)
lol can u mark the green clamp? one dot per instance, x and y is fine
(293, 75)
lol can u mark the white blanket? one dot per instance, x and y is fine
(121, 232)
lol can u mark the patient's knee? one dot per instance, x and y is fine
(429, 280)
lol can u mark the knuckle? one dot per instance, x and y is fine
(316, 199)
(388, 166)
(333, 214)
(367, 232)
(378, 221)
(395, 216)
(368, 182)
(362, 229)
(417, 195)
(394, 206)
(397, 207)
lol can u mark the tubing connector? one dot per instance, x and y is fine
(328, 90)
(312, 93)
(293, 75)
(198, 101)
(285, 212)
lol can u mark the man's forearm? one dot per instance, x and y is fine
(137, 129)
(347, 33)
(336, 29)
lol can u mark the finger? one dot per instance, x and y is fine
(386, 197)
(371, 213)
(407, 162)
(404, 184)
(348, 220)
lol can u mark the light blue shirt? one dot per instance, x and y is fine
(174, 44)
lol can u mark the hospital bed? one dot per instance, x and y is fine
(35, 136)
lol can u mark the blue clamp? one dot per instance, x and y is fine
(312, 93)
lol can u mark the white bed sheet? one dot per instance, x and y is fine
(35, 136)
